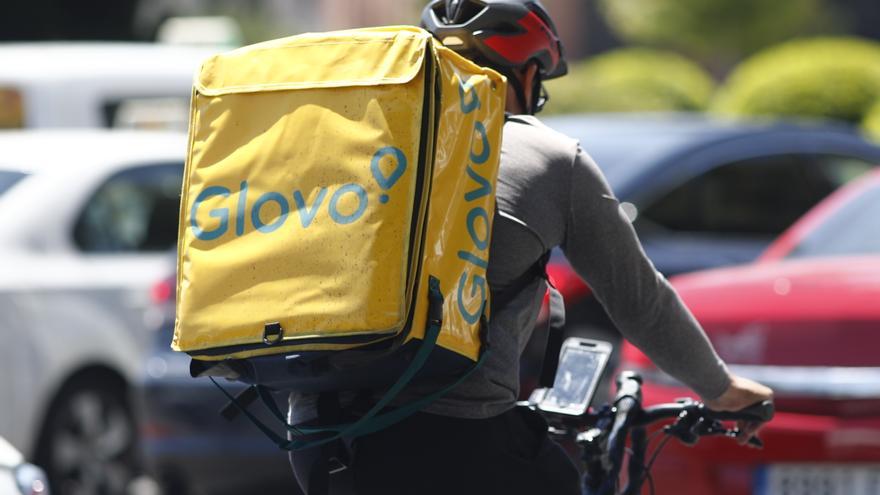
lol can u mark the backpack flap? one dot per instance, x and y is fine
(304, 194)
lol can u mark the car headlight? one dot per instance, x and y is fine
(31, 480)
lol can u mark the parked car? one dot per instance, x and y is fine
(189, 447)
(88, 219)
(98, 84)
(703, 193)
(18, 477)
(805, 320)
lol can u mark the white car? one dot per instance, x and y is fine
(88, 219)
(97, 84)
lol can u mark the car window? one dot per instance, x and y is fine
(854, 229)
(760, 196)
(135, 210)
(8, 179)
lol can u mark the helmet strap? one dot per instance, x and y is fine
(514, 80)
(539, 94)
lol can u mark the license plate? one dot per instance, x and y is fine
(818, 479)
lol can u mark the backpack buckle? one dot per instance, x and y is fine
(272, 333)
(335, 465)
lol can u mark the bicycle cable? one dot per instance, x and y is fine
(647, 476)
(654, 455)
(647, 468)
(650, 479)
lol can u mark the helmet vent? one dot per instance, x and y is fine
(461, 11)
(453, 42)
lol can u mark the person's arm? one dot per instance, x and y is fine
(604, 250)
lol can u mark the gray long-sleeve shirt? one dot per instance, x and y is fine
(550, 193)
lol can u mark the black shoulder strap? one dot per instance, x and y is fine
(538, 270)
(552, 337)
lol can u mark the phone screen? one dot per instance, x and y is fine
(579, 371)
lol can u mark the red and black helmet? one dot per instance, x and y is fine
(505, 34)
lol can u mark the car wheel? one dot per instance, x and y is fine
(88, 442)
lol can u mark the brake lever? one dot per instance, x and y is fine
(689, 432)
(756, 442)
(761, 412)
(715, 427)
(753, 440)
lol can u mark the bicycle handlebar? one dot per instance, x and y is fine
(760, 412)
(604, 442)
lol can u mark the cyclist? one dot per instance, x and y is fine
(550, 193)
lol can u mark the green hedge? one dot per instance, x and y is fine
(836, 78)
(871, 122)
(727, 28)
(631, 79)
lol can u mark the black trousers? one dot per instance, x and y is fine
(430, 454)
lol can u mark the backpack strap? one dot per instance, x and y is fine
(538, 270)
(552, 338)
(373, 420)
(308, 436)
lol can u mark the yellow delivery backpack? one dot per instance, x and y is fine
(336, 216)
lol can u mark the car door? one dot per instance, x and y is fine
(731, 211)
(13, 349)
(83, 312)
(81, 297)
(125, 233)
(11, 346)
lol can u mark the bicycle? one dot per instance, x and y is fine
(602, 435)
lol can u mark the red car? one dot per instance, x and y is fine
(805, 320)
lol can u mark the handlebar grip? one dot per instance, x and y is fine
(761, 411)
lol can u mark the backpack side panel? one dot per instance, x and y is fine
(467, 153)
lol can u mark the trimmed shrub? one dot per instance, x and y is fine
(871, 123)
(729, 28)
(837, 78)
(631, 79)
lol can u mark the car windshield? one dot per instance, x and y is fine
(852, 230)
(8, 179)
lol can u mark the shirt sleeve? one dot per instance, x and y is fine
(602, 247)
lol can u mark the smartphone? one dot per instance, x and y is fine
(581, 363)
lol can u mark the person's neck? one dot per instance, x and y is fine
(513, 107)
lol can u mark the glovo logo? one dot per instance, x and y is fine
(478, 224)
(304, 211)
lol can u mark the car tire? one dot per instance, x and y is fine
(88, 443)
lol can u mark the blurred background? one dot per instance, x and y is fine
(741, 136)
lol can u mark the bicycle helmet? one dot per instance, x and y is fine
(504, 34)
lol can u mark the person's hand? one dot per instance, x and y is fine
(740, 394)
